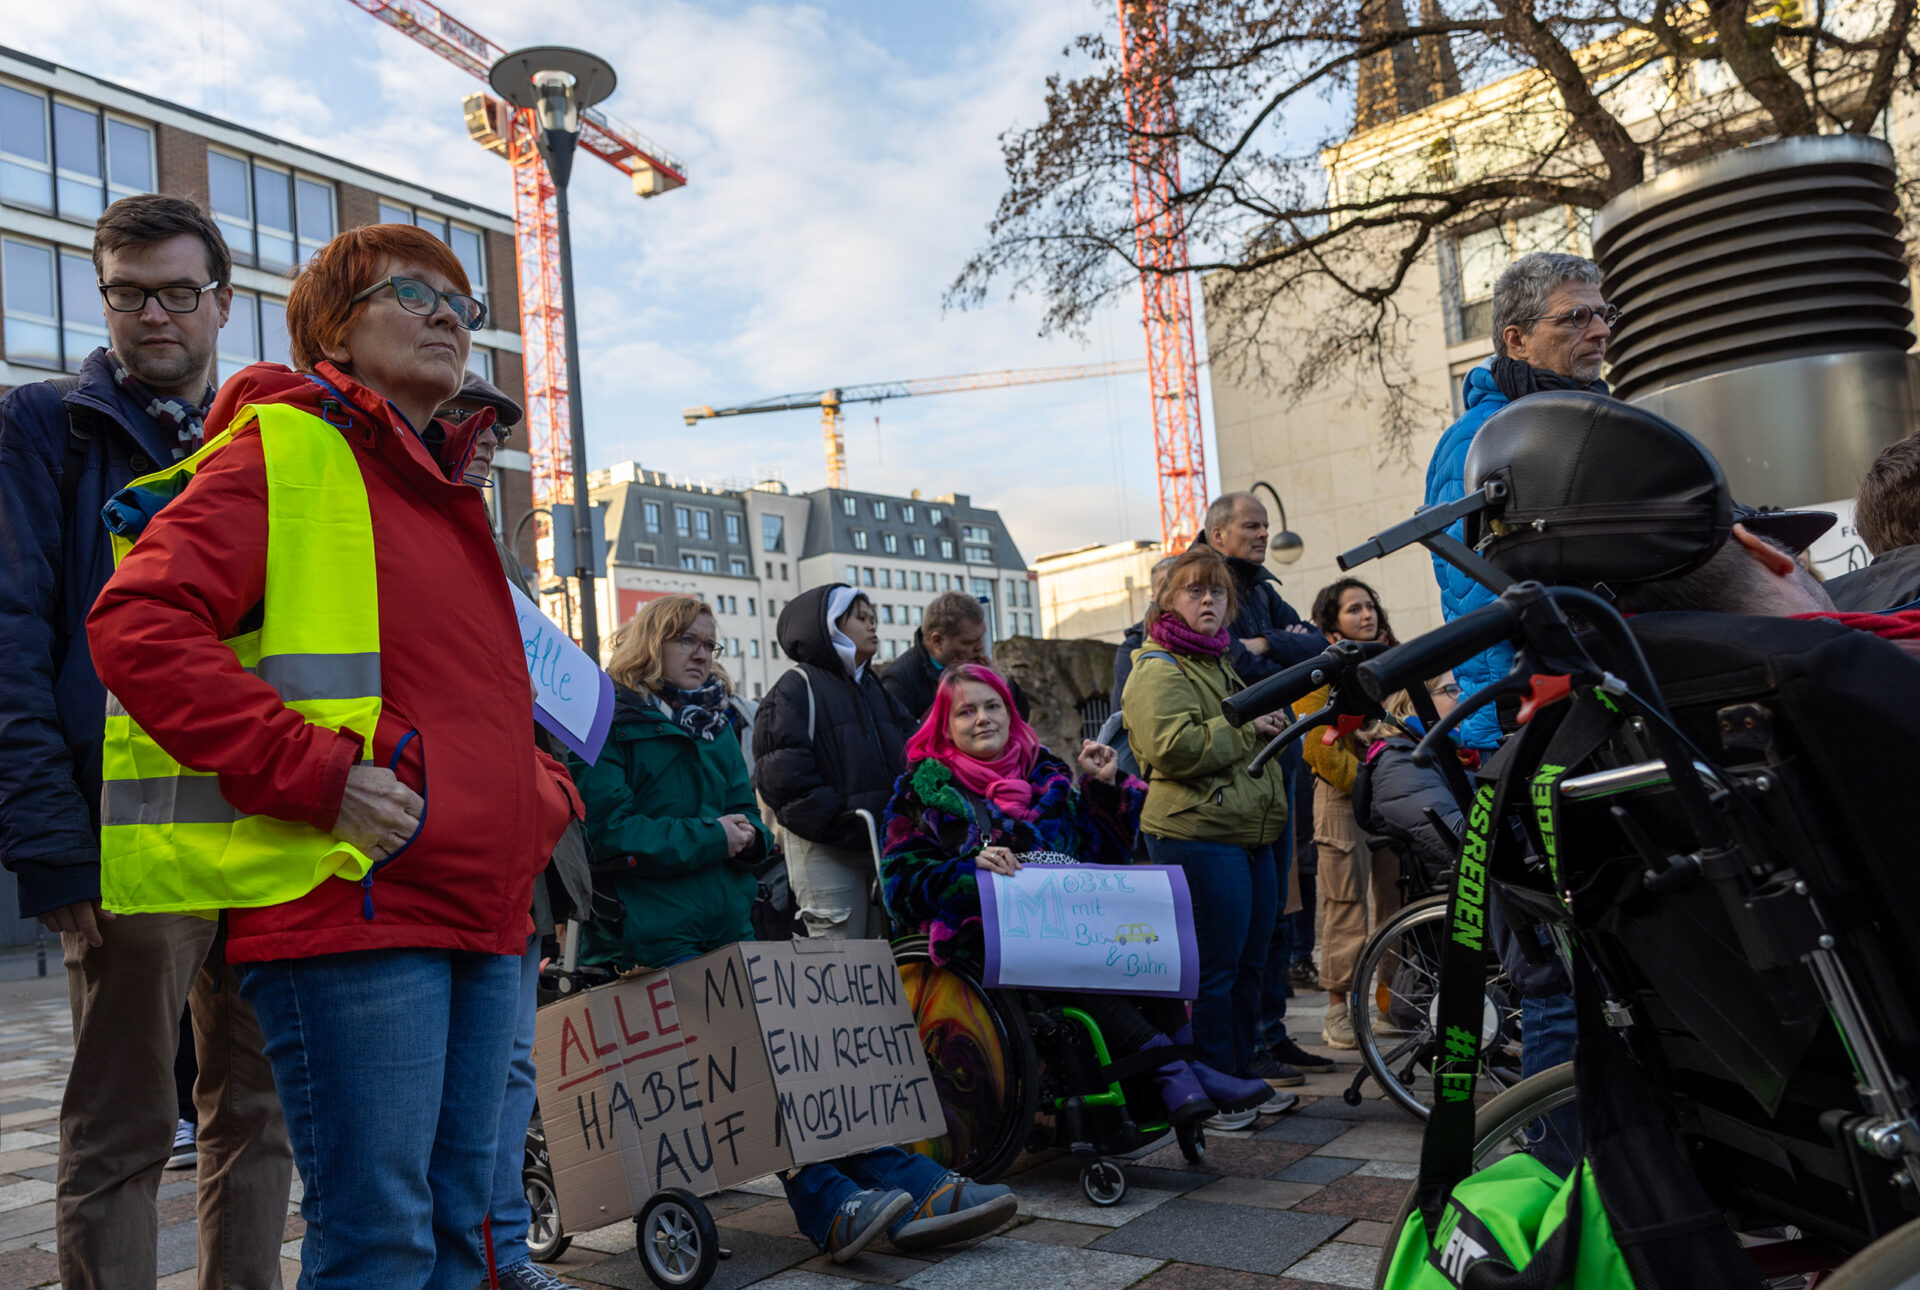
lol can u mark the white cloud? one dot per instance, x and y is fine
(836, 186)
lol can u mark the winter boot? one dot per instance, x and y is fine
(1180, 1088)
(1227, 1092)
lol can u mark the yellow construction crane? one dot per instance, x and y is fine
(830, 402)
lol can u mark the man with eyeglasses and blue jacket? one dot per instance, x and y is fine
(67, 445)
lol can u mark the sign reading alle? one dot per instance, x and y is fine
(573, 698)
(1112, 929)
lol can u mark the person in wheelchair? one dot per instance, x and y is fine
(981, 793)
(1396, 798)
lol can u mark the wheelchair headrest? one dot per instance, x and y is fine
(1602, 492)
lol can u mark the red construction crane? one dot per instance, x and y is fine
(1160, 238)
(831, 401)
(500, 128)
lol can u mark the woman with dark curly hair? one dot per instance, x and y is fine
(1349, 869)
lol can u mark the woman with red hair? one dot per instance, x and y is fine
(310, 628)
(982, 793)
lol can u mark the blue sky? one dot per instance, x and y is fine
(843, 162)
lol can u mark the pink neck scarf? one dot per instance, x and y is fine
(1003, 780)
(1172, 631)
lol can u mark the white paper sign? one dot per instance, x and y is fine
(1116, 929)
(573, 697)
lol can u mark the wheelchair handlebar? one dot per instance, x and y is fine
(1439, 650)
(1281, 690)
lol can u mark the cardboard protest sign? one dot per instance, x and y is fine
(574, 697)
(749, 1060)
(1113, 929)
(807, 1051)
(619, 1100)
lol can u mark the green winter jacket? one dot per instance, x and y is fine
(1196, 764)
(654, 802)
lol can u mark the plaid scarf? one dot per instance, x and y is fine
(185, 419)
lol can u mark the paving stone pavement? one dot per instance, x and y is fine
(1302, 1202)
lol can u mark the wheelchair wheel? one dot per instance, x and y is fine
(985, 1070)
(1399, 1035)
(546, 1240)
(679, 1245)
(1193, 1141)
(1104, 1182)
(1508, 1123)
(1890, 1263)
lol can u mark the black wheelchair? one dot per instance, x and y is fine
(1721, 804)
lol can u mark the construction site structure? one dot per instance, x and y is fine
(830, 402)
(509, 132)
(1160, 241)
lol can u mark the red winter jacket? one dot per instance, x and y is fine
(451, 667)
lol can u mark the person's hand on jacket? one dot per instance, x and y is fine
(739, 834)
(83, 918)
(377, 812)
(998, 860)
(1097, 761)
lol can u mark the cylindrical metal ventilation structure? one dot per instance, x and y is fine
(1766, 309)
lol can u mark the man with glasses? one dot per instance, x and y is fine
(66, 446)
(1550, 329)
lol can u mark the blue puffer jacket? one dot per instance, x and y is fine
(1459, 594)
(52, 706)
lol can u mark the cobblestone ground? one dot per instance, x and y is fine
(1294, 1203)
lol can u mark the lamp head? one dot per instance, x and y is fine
(556, 84)
(1286, 546)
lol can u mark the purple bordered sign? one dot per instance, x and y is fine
(1111, 929)
(574, 698)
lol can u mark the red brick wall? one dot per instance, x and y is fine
(503, 282)
(183, 163)
(358, 206)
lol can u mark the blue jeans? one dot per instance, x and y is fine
(391, 1066)
(508, 1213)
(1548, 1027)
(1272, 1028)
(816, 1192)
(1234, 904)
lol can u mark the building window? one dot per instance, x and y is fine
(983, 590)
(853, 575)
(270, 217)
(1480, 257)
(773, 648)
(915, 575)
(867, 575)
(703, 525)
(917, 611)
(879, 509)
(644, 556)
(919, 545)
(750, 612)
(733, 528)
(859, 539)
(683, 521)
(890, 543)
(753, 651)
(480, 361)
(83, 162)
(1013, 594)
(946, 582)
(737, 567)
(756, 684)
(688, 562)
(886, 579)
(466, 243)
(650, 512)
(773, 536)
(946, 548)
(256, 329)
(975, 533)
(709, 564)
(849, 506)
(933, 514)
(51, 306)
(979, 555)
(906, 512)
(783, 570)
(1026, 594)
(886, 614)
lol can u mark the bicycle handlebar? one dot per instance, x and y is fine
(1281, 690)
(1439, 650)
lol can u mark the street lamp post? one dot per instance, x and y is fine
(556, 83)
(1286, 545)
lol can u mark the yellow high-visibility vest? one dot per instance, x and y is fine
(169, 841)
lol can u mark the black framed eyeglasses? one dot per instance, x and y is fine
(416, 297)
(126, 299)
(1580, 318)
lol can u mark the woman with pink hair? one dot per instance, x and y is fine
(982, 793)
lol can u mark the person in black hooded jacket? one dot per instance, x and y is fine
(829, 740)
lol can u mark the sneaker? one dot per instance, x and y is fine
(531, 1276)
(1304, 975)
(1274, 1071)
(957, 1209)
(1337, 1030)
(1228, 1121)
(863, 1216)
(1294, 1055)
(1279, 1104)
(185, 1151)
